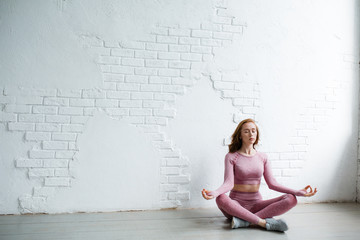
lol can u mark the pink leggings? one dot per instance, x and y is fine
(251, 207)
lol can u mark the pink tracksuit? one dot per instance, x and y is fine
(249, 206)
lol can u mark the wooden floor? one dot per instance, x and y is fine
(306, 222)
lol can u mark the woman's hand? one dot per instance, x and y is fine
(205, 194)
(311, 193)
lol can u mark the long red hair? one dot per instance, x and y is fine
(236, 142)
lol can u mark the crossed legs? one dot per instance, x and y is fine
(257, 211)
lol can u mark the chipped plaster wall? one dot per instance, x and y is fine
(95, 118)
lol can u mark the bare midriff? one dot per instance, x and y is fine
(246, 188)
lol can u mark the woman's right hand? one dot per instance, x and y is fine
(205, 194)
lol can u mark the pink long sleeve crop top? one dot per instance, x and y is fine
(241, 169)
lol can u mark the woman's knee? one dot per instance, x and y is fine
(291, 200)
(221, 199)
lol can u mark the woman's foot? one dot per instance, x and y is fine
(276, 225)
(239, 223)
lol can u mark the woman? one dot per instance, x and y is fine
(244, 167)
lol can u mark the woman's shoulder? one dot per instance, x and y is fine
(231, 156)
(262, 155)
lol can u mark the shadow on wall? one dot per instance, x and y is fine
(113, 170)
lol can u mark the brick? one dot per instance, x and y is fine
(201, 33)
(47, 127)
(165, 113)
(169, 72)
(57, 181)
(128, 86)
(156, 47)
(179, 196)
(117, 112)
(63, 136)
(211, 43)
(182, 81)
(45, 109)
(62, 172)
(8, 117)
(131, 103)
(21, 126)
(132, 62)
(109, 77)
(211, 26)
(15, 108)
(132, 45)
(136, 79)
(243, 102)
(159, 80)
(223, 35)
(54, 145)
(174, 89)
(179, 65)
(169, 187)
(41, 154)
(93, 93)
(31, 118)
(82, 102)
(179, 179)
(41, 172)
(106, 103)
(164, 96)
(57, 119)
(177, 162)
(37, 136)
(146, 71)
(232, 94)
(122, 52)
(140, 112)
(6, 99)
(151, 88)
(122, 69)
(189, 41)
(142, 95)
(111, 44)
(29, 163)
(118, 94)
(149, 128)
(191, 57)
(201, 49)
(106, 68)
(166, 39)
(170, 153)
(238, 22)
(153, 104)
(56, 101)
(156, 63)
(169, 55)
(290, 172)
(69, 93)
(179, 32)
(280, 164)
(179, 48)
(146, 54)
(77, 128)
(156, 120)
(56, 163)
(70, 111)
(65, 154)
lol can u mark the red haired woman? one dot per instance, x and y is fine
(244, 167)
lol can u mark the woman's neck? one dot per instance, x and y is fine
(248, 150)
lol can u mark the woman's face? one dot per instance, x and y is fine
(248, 133)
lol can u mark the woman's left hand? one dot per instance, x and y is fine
(311, 193)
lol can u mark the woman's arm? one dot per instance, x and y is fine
(274, 185)
(228, 177)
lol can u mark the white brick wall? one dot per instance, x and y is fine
(142, 80)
